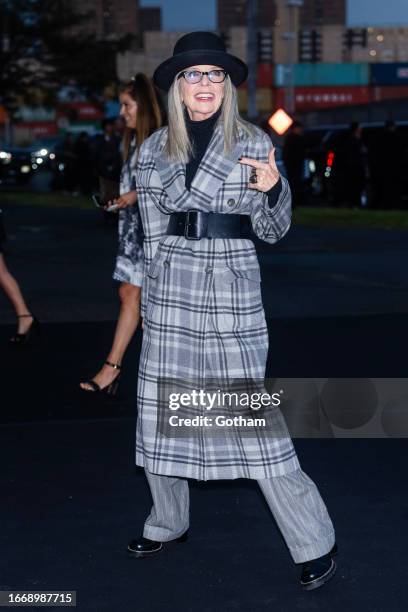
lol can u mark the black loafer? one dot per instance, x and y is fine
(143, 547)
(318, 571)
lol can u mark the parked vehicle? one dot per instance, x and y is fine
(15, 165)
(44, 152)
(324, 150)
(18, 164)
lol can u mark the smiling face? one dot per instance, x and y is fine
(202, 99)
(128, 110)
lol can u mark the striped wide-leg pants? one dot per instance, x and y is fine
(293, 499)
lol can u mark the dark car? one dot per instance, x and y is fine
(15, 165)
(47, 155)
(324, 150)
(44, 152)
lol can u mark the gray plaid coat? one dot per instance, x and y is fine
(202, 307)
(129, 265)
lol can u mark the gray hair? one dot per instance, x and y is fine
(178, 146)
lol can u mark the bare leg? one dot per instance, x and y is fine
(125, 328)
(11, 288)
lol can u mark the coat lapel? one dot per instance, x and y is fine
(210, 176)
(173, 178)
(214, 168)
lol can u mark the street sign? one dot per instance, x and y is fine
(280, 121)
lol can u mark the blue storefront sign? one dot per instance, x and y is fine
(389, 74)
(317, 75)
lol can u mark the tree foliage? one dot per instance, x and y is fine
(43, 44)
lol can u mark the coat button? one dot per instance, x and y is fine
(209, 269)
(166, 263)
(231, 202)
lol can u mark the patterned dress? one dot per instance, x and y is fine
(130, 257)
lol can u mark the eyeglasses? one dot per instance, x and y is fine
(195, 76)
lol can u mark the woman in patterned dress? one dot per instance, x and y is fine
(141, 112)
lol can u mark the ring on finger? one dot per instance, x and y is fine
(253, 178)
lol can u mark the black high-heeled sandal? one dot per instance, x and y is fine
(110, 389)
(23, 339)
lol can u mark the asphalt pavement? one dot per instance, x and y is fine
(337, 306)
(64, 260)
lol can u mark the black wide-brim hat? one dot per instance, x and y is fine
(199, 48)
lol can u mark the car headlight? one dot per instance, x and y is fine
(41, 153)
(5, 156)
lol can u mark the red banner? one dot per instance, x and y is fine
(265, 75)
(39, 129)
(309, 98)
(80, 111)
(389, 92)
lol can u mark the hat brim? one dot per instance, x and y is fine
(165, 73)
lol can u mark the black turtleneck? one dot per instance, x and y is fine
(200, 133)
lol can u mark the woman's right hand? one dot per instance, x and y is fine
(127, 199)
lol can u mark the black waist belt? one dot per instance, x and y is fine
(197, 224)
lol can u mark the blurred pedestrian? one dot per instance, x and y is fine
(28, 325)
(355, 166)
(294, 155)
(68, 159)
(106, 152)
(83, 161)
(119, 128)
(386, 154)
(140, 111)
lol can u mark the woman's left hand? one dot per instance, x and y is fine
(127, 199)
(264, 175)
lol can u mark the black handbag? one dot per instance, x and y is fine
(3, 235)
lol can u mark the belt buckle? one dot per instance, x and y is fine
(187, 225)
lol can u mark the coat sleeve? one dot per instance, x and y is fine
(154, 221)
(143, 297)
(271, 224)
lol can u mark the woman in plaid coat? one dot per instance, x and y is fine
(201, 182)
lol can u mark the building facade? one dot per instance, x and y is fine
(232, 13)
(109, 19)
(323, 12)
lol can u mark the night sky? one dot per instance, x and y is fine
(201, 14)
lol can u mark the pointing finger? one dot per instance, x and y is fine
(255, 163)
